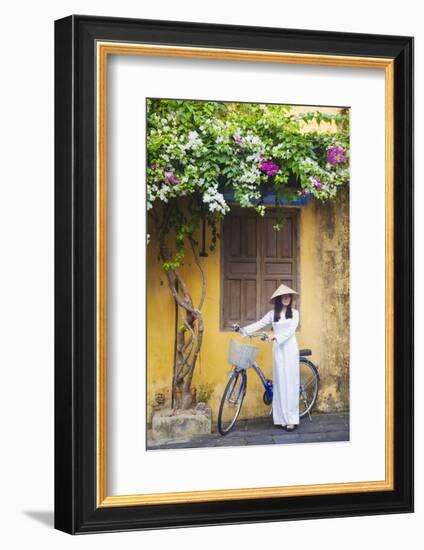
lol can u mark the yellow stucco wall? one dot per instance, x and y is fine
(323, 323)
(324, 312)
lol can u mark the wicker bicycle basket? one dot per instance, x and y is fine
(241, 355)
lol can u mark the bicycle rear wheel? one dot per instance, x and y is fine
(309, 386)
(232, 401)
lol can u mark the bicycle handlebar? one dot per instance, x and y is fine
(262, 335)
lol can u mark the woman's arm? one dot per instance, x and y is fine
(287, 327)
(254, 327)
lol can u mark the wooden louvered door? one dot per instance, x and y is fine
(255, 260)
(241, 269)
(278, 256)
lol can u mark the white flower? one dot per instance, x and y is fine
(248, 177)
(215, 200)
(194, 141)
(254, 140)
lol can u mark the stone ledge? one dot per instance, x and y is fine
(181, 424)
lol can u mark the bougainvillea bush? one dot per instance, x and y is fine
(197, 150)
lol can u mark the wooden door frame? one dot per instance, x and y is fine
(236, 210)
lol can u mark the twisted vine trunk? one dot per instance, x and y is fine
(189, 331)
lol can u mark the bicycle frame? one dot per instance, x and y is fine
(240, 392)
(267, 384)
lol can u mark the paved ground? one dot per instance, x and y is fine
(261, 431)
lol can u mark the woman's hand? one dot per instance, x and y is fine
(267, 338)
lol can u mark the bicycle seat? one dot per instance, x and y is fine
(305, 352)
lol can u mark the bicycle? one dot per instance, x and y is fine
(242, 357)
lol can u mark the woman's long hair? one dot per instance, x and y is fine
(278, 308)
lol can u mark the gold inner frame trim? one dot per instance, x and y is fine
(103, 50)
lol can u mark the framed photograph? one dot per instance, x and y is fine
(234, 274)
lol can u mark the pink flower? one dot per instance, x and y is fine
(170, 178)
(316, 182)
(336, 155)
(269, 167)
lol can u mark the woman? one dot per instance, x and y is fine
(285, 356)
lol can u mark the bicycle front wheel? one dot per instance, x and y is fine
(232, 401)
(309, 386)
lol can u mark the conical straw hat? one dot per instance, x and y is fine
(282, 289)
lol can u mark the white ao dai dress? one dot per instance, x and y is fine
(285, 365)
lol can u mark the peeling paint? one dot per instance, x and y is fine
(332, 245)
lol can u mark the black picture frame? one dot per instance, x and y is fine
(76, 509)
